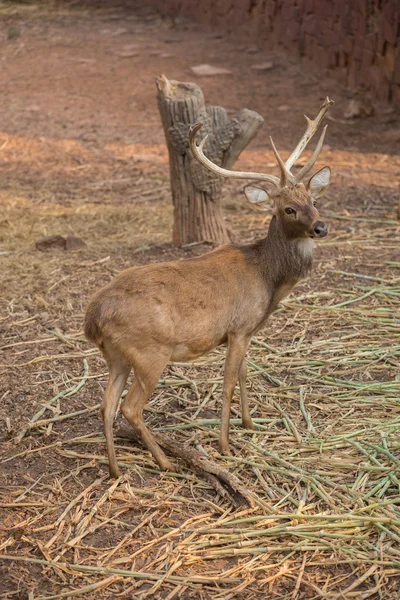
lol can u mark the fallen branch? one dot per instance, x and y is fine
(226, 484)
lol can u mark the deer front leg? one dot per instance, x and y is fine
(236, 351)
(246, 418)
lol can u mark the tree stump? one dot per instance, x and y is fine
(196, 192)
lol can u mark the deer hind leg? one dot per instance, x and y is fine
(246, 418)
(145, 381)
(234, 359)
(118, 374)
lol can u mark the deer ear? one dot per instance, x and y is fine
(319, 182)
(258, 197)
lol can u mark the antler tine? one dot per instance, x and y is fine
(312, 126)
(307, 168)
(285, 173)
(206, 162)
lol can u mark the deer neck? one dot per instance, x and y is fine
(284, 261)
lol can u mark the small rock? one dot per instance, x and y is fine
(358, 108)
(119, 31)
(131, 47)
(209, 70)
(85, 61)
(263, 67)
(283, 107)
(166, 55)
(89, 137)
(388, 110)
(128, 53)
(73, 242)
(49, 242)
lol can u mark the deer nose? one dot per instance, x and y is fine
(320, 229)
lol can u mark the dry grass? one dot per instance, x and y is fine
(322, 467)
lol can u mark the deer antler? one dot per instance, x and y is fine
(206, 162)
(307, 167)
(286, 175)
(285, 172)
(312, 126)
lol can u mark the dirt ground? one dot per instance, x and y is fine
(82, 153)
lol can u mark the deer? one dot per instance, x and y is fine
(174, 311)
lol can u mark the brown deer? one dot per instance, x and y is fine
(177, 311)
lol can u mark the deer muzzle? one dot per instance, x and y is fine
(320, 229)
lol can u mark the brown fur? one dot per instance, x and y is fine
(180, 310)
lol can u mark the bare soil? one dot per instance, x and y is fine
(82, 153)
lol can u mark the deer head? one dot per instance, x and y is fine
(292, 202)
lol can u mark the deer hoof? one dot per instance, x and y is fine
(165, 465)
(114, 472)
(224, 448)
(248, 424)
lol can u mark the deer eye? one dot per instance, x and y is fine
(290, 211)
(314, 203)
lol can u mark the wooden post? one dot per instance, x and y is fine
(196, 192)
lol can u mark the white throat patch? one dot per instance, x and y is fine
(306, 247)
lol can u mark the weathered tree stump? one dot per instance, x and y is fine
(195, 190)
